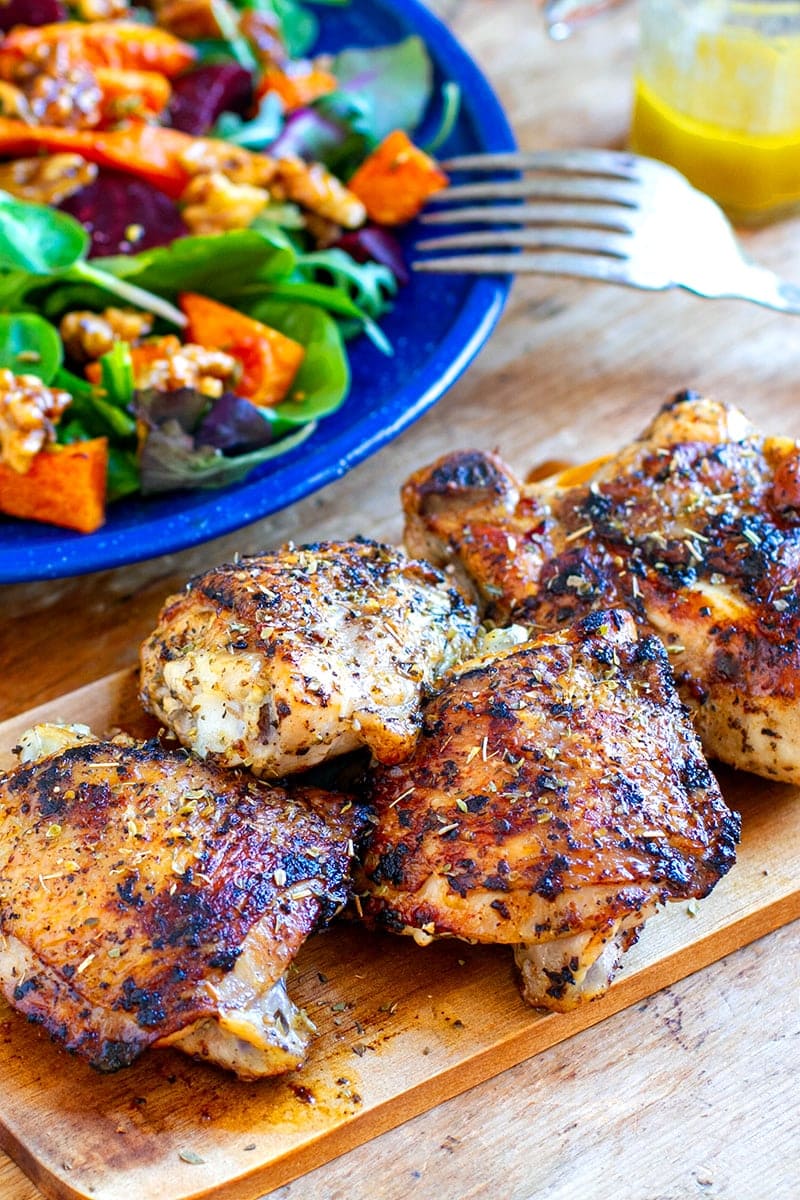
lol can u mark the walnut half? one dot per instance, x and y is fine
(28, 413)
(88, 336)
(46, 180)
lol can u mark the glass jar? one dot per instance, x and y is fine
(718, 97)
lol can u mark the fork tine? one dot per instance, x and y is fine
(604, 216)
(649, 229)
(569, 187)
(614, 164)
(593, 241)
(579, 266)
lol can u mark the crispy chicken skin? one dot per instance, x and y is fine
(280, 661)
(556, 796)
(695, 528)
(147, 899)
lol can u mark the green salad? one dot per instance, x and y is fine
(195, 219)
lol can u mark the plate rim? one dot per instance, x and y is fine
(81, 554)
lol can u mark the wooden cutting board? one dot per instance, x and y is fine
(400, 1029)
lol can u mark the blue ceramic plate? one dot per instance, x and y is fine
(436, 327)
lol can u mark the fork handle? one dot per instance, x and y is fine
(760, 286)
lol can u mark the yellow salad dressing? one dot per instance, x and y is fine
(723, 107)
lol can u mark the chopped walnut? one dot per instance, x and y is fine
(46, 180)
(101, 10)
(187, 366)
(44, 58)
(59, 88)
(88, 336)
(315, 188)
(72, 100)
(208, 156)
(212, 204)
(14, 103)
(28, 413)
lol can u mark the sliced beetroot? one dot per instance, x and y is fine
(30, 12)
(200, 97)
(376, 244)
(124, 215)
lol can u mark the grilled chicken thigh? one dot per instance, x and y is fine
(280, 661)
(695, 528)
(556, 796)
(150, 899)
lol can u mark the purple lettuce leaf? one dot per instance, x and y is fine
(196, 441)
(311, 135)
(234, 426)
(373, 243)
(170, 460)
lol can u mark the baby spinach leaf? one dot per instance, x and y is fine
(29, 345)
(132, 294)
(40, 244)
(15, 287)
(395, 81)
(38, 239)
(323, 380)
(324, 296)
(58, 298)
(207, 264)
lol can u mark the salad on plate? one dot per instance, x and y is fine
(196, 215)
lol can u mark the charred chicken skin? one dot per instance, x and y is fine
(695, 529)
(147, 899)
(557, 795)
(281, 661)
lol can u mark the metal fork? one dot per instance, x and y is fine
(597, 214)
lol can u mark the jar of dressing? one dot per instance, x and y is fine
(718, 97)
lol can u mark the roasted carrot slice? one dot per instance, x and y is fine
(150, 152)
(132, 93)
(66, 485)
(396, 180)
(269, 359)
(123, 45)
(298, 85)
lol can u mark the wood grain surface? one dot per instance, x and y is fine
(399, 1029)
(692, 1091)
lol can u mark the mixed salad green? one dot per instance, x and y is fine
(289, 268)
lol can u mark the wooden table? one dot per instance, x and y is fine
(694, 1091)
